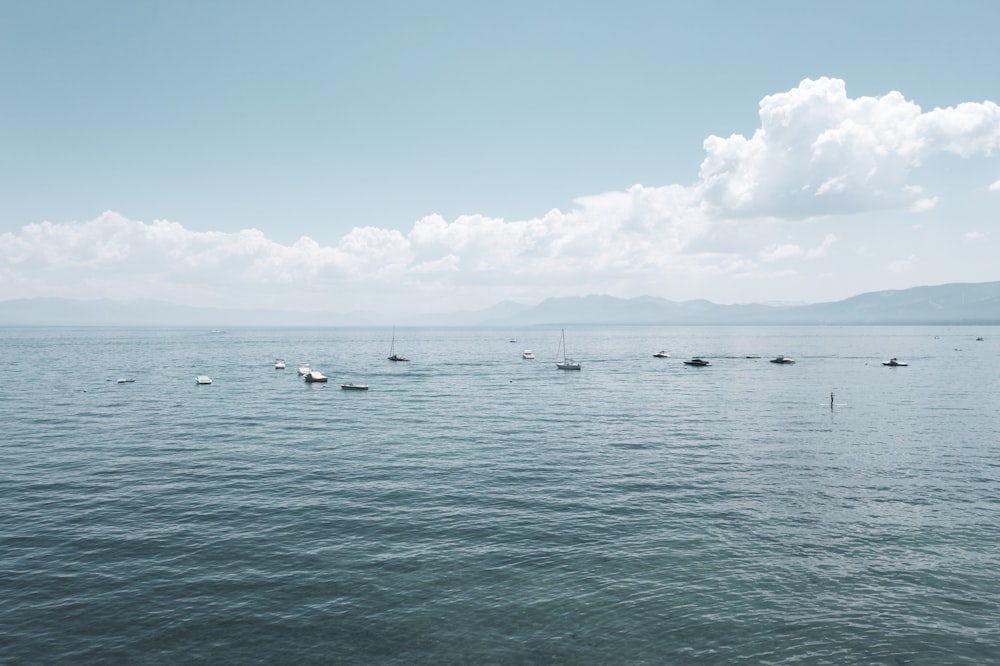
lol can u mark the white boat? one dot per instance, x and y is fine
(528, 354)
(354, 387)
(661, 354)
(697, 362)
(567, 363)
(895, 363)
(125, 380)
(315, 377)
(279, 364)
(393, 356)
(781, 360)
(203, 379)
(753, 356)
(304, 370)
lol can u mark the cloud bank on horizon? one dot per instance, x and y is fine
(764, 208)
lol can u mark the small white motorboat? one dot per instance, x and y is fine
(315, 377)
(125, 380)
(528, 354)
(354, 387)
(781, 360)
(203, 379)
(279, 364)
(661, 354)
(895, 363)
(697, 362)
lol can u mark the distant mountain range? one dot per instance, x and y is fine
(960, 303)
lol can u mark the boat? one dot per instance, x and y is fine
(979, 339)
(895, 363)
(315, 377)
(697, 362)
(782, 360)
(753, 355)
(125, 380)
(304, 370)
(202, 379)
(567, 363)
(279, 364)
(661, 354)
(354, 387)
(393, 356)
(528, 354)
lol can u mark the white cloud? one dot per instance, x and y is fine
(995, 187)
(923, 205)
(822, 249)
(819, 152)
(903, 265)
(975, 235)
(792, 251)
(787, 251)
(627, 238)
(816, 153)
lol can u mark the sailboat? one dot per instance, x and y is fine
(567, 363)
(393, 356)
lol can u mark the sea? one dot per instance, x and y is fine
(473, 507)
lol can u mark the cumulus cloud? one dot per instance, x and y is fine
(819, 152)
(641, 234)
(995, 187)
(816, 153)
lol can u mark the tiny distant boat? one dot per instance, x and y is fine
(315, 377)
(513, 340)
(697, 362)
(305, 370)
(782, 360)
(979, 339)
(895, 363)
(125, 380)
(528, 354)
(279, 364)
(567, 363)
(354, 387)
(203, 379)
(753, 356)
(393, 356)
(661, 354)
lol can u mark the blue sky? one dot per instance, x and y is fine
(441, 155)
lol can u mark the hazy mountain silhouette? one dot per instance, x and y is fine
(959, 303)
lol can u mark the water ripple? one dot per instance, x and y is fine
(475, 507)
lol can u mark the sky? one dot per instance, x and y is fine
(397, 156)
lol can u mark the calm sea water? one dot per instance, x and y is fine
(474, 507)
